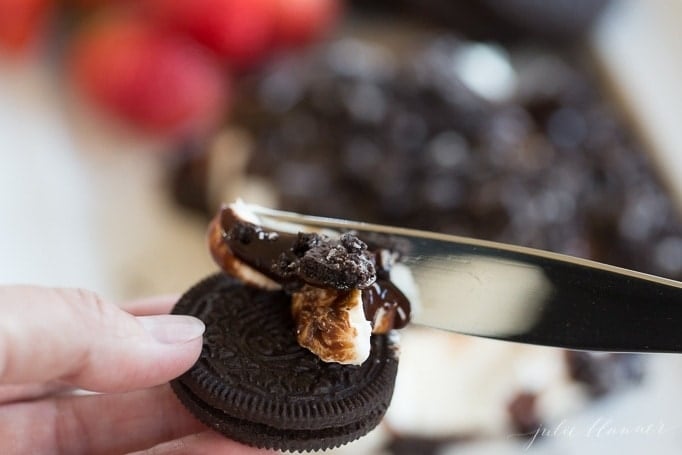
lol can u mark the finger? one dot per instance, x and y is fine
(150, 306)
(203, 443)
(24, 392)
(113, 423)
(74, 335)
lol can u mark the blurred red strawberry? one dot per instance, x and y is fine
(21, 21)
(301, 22)
(156, 80)
(241, 31)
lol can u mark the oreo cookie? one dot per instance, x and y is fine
(255, 384)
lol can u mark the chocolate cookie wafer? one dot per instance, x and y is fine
(254, 383)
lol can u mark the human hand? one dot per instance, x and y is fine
(54, 342)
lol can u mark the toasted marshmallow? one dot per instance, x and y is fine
(332, 324)
(232, 265)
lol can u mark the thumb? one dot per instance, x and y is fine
(75, 336)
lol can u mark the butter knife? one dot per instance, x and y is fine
(525, 295)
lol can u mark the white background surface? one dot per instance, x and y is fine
(82, 202)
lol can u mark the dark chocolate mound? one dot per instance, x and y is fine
(342, 264)
(255, 384)
(356, 131)
(365, 136)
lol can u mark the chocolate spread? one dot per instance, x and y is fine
(290, 260)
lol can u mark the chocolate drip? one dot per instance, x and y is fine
(256, 247)
(383, 294)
